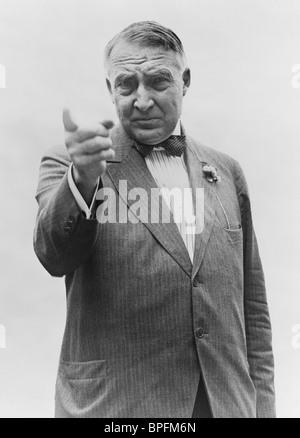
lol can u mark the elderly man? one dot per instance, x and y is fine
(164, 319)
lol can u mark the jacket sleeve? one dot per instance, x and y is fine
(63, 237)
(257, 319)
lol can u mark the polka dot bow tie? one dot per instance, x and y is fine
(175, 145)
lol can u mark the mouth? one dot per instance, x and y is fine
(146, 121)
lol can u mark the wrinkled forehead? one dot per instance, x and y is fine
(139, 58)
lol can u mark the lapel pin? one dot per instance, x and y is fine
(211, 174)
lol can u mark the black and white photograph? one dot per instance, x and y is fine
(150, 207)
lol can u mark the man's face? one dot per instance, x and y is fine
(147, 85)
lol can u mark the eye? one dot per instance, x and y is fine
(126, 85)
(160, 83)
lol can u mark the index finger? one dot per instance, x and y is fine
(68, 121)
(100, 129)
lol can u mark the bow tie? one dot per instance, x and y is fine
(175, 145)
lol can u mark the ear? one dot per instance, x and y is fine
(108, 84)
(186, 76)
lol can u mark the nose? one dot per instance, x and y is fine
(143, 101)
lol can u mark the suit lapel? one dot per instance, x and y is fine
(194, 162)
(129, 166)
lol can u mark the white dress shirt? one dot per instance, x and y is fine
(169, 173)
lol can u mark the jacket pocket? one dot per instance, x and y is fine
(95, 369)
(234, 234)
(81, 388)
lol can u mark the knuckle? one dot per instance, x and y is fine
(107, 142)
(76, 160)
(74, 151)
(102, 131)
(99, 141)
(107, 154)
(111, 153)
(68, 141)
(84, 161)
(102, 142)
(80, 134)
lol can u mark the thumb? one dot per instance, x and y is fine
(68, 121)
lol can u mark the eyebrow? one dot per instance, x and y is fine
(158, 72)
(122, 76)
(151, 73)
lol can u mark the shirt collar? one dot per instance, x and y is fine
(177, 130)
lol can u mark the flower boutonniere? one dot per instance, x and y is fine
(210, 173)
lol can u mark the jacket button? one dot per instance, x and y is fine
(71, 219)
(67, 229)
(200, 333)
(196, 282)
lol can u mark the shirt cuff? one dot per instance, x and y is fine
(78, 197)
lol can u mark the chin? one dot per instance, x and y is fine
(149, 136)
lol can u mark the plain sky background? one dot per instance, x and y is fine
(241, 102)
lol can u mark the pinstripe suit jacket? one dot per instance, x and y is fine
(135, 302)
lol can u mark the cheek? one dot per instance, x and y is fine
(173, 97)
(123, 106)
(173, 104)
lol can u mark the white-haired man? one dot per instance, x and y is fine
(162, 320)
